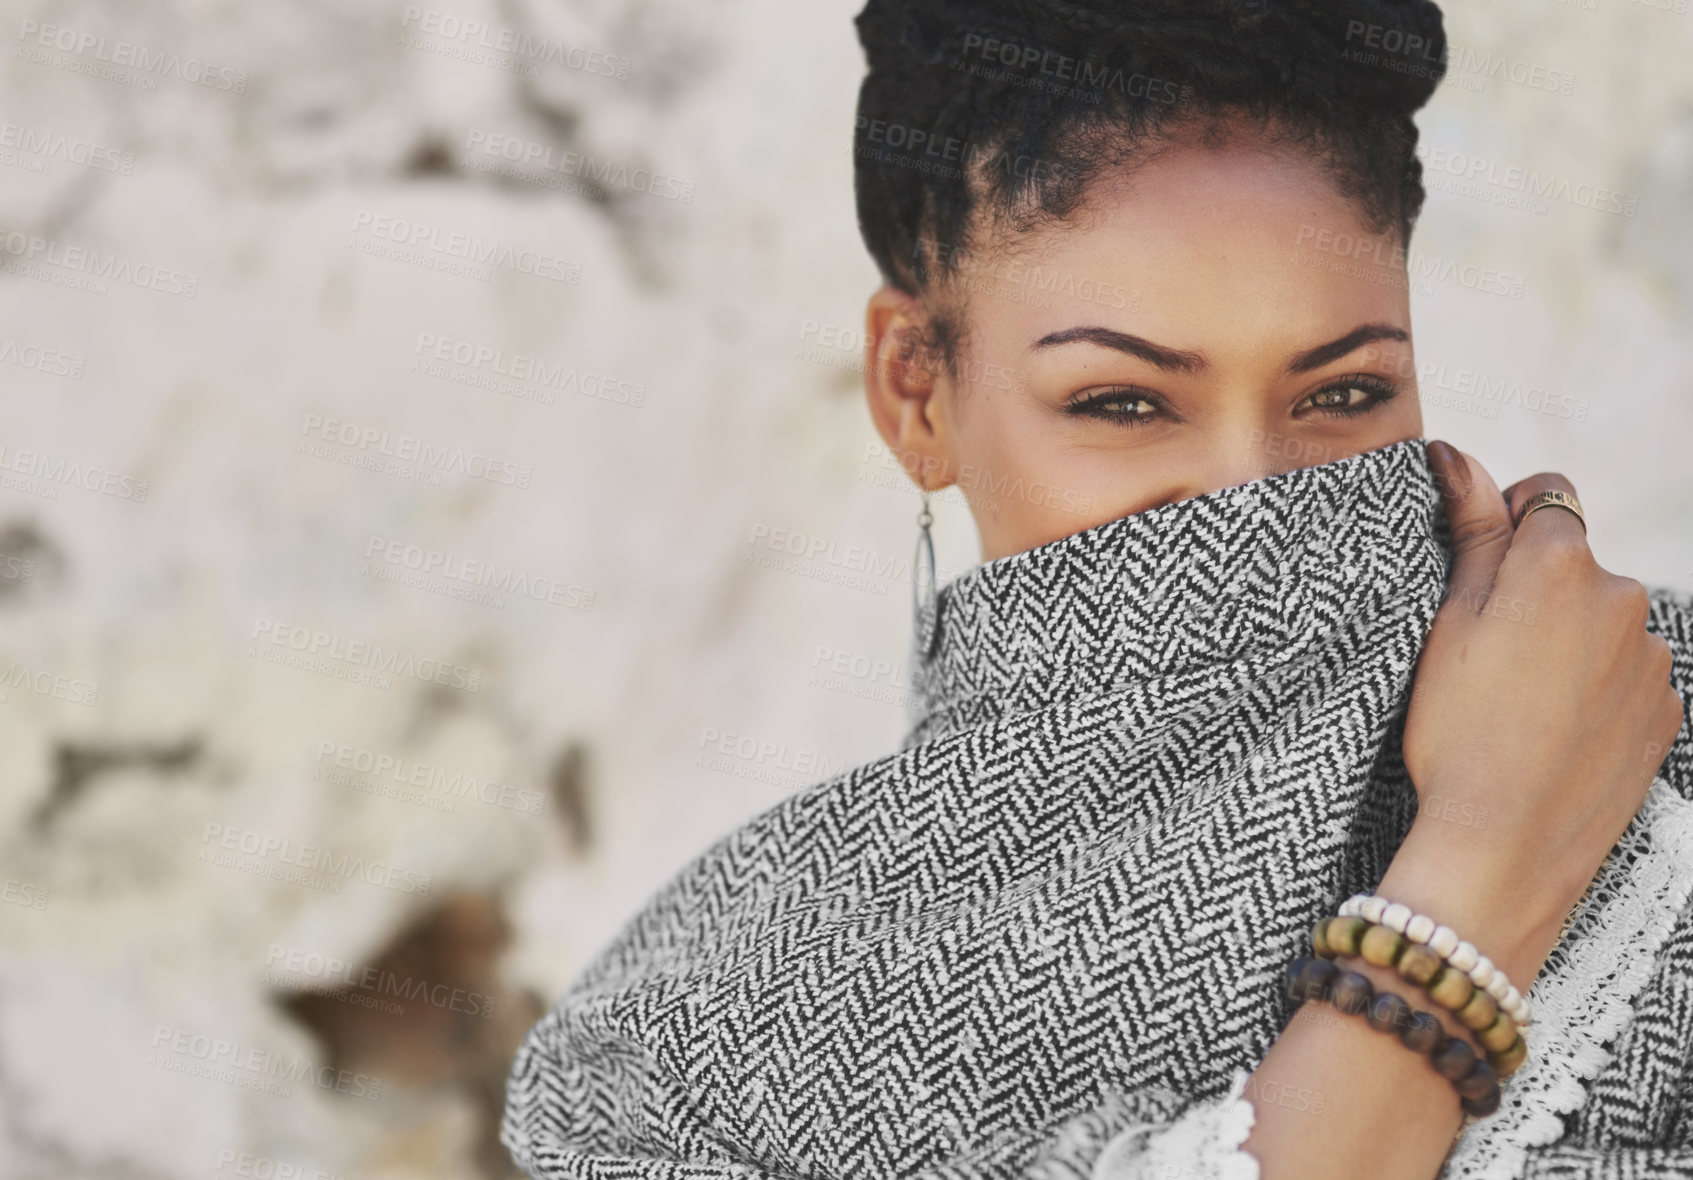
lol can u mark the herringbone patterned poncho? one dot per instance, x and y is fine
(1046, 937)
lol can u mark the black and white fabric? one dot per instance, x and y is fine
(1046, 937)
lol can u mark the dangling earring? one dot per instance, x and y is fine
(923, 586)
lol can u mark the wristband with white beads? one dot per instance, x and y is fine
(1443, 941)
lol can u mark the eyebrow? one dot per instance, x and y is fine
(1175, 360)
(1172, 360)
(1316, 358)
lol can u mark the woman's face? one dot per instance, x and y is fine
(1186, 333)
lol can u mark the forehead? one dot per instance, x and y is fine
(1199, 246)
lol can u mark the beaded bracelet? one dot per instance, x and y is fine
(1451, 989)
(1443, 941)
(1476, 1081)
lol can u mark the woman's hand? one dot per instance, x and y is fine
(1541, 711)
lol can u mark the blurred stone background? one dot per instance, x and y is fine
(378, 628)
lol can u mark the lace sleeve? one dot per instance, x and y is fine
(1582, 1000)
(1204, 1143)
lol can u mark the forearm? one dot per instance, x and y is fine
(1362, 1103)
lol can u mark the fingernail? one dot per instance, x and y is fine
(1451, 471)
(1461, 473)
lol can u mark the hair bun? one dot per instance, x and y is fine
(1387, 55)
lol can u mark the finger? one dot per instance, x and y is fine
(1561, 522)
(1479, 520)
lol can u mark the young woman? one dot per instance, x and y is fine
(1243, 645)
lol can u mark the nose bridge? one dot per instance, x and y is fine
(1245, 450)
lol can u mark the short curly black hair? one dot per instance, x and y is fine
(1011, 107)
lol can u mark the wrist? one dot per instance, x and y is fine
(1489, 905)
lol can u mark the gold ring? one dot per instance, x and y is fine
(1552, 498)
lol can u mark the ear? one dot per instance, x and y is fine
(906, 388)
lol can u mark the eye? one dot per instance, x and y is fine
(1125, 407)
(1357, 394)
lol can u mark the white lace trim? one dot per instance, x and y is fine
(1203, 1144)
(1582, 1000)
(1585, 995)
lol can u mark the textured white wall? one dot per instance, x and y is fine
(122, 941)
